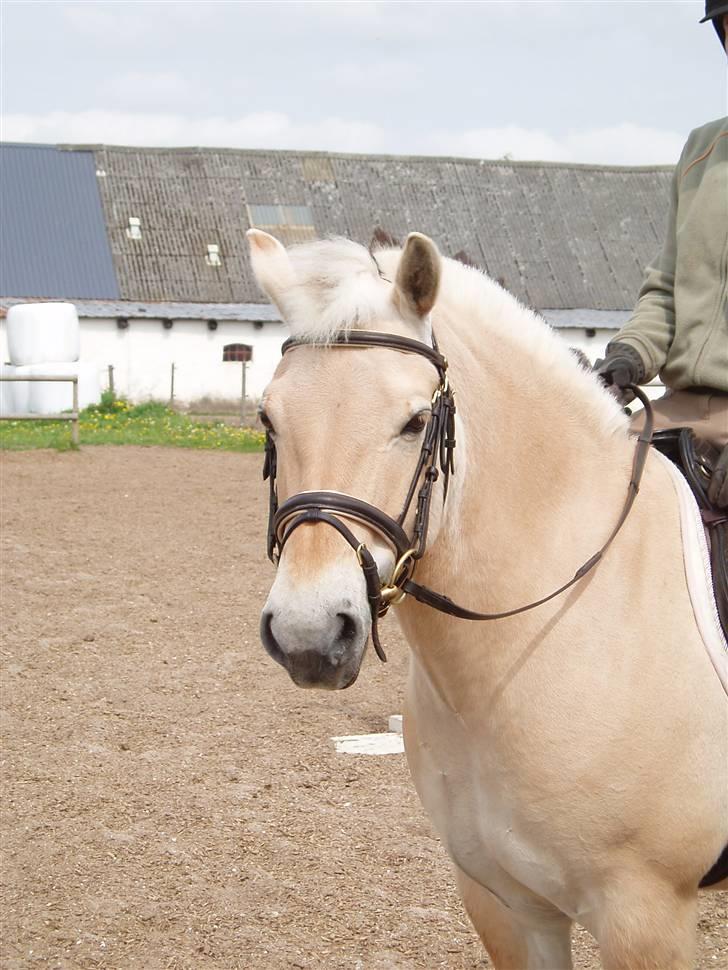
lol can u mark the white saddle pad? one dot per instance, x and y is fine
(698, 574)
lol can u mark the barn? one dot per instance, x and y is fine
(170, 800)
(149, 244)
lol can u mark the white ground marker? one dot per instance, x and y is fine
(395, 723)
(389, 742)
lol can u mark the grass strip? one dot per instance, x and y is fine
(116, 422)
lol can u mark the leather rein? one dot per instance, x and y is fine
(435, 460)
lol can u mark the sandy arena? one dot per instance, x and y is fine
(170, 800)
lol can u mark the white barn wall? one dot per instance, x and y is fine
(142, 355)
(594, 347)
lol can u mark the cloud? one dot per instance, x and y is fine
(643, 146)
(625, 144)
(511, 141)
(267, 129)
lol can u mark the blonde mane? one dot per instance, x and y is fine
(340, 285)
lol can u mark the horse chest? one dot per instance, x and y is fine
(478, 818)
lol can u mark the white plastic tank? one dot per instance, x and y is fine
(13, 395)
(40, 333)
(54, 397)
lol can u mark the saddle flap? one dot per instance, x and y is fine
(697, 460)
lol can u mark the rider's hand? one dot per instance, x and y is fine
(622, 366)
(718, 491)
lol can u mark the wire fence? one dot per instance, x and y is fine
(71, 415)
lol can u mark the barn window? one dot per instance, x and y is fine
(242, 352)
(134, 229)
(290, 223)
(212, 258)
(318, 169)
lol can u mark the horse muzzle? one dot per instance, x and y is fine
(320, 639)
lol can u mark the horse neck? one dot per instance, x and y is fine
(540, 485)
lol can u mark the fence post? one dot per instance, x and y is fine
(73, 416)
(74, 422)
(242, 397)
(111, 381)
(171, 387)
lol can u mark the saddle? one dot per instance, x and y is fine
(697, 460)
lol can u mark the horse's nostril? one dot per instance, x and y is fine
(269, 641)
(349, 628)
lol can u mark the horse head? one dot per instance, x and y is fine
(349, 421)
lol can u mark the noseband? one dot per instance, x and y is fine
(435, 460)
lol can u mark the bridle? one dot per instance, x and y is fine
(435, 460)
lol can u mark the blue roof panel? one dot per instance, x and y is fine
(53, 240)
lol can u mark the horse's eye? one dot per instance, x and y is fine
(416, 424)
(266, 421)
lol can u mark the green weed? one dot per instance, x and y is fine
(116, 422)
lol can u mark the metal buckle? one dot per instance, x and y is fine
(392, 594)
(441, 390)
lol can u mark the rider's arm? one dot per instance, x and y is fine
(651, 328)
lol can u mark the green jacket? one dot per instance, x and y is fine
(680, 324)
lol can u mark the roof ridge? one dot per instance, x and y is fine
(306, 153)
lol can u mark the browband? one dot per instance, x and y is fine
(374, 338)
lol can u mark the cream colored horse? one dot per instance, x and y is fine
(573, 758)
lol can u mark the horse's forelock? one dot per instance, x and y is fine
(338, 287)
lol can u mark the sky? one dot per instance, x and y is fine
(611, 81)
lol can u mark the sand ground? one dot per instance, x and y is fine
(170, 800)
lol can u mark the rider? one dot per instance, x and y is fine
(679, 327)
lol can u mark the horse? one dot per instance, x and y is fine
(572, 756)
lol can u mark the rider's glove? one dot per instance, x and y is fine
(622, 366)
(718, 491)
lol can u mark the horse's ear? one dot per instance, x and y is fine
(271, 265)
(418, 276)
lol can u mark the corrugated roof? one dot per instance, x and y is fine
(558, 236)
(52, 233)
(137, 310)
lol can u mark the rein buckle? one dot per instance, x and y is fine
(392, 594)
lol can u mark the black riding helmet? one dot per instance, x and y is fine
(714, 10)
